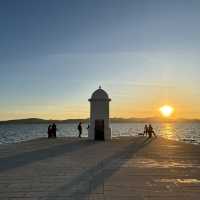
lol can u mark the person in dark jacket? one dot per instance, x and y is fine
(80, 129)
(49, 131)
(151, 131)
(54, 129)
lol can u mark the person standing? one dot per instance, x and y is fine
(54, 129)
(145, 130)
(80, 129)
(49, 131)
(151, 131)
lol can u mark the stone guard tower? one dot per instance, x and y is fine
(99, 116)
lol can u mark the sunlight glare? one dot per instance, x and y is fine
(166, 110)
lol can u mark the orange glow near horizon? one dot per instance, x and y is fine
(166, 110)
(119, 109)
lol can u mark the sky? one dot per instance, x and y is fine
(55, 53)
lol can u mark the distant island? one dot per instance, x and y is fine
(113, 120)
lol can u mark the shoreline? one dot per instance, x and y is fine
(188, 133)
(192, 142)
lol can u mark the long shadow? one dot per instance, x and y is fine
(26, 158)
(78, 188)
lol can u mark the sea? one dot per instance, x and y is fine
(186, 132)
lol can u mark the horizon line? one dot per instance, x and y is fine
(111, 118)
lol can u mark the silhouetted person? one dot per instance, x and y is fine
(146, 129)
(88, 127)
(80, 129)
(49, 131)
(54, 129)
(151, 131)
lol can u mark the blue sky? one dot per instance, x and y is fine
(55, 53)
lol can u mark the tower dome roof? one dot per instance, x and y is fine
(100, 94)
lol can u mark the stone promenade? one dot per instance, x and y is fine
(125, 168)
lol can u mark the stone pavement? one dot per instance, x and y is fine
(125, 168)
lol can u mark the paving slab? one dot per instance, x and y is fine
(124, 168)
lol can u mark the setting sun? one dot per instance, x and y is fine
(166, 110)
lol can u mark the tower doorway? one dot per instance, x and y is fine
(99, 129)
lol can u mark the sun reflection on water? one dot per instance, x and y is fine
(168, 131)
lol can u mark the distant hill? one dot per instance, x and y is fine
(24, 121)
(113, 120)
(41, 121)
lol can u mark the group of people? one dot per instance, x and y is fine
(148, 131)
(52, 131)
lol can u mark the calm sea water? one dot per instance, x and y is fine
(188, 132)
